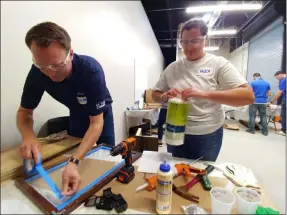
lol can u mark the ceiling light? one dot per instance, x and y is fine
(211, 48)
(229, 7)
(206, 17)
(222, 32)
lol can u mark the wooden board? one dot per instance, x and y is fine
(232, 127)
(145, 201)
(12, 163)
(94, 168)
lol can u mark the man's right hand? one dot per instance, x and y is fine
(30, 148)
(170, 94)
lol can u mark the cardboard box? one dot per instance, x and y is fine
(149, 100)
(147, 143)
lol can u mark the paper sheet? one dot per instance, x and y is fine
(150, 161)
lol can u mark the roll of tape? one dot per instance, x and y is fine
(30, 165)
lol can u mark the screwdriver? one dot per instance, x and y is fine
(151, 181)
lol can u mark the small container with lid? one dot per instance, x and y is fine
(164, 188)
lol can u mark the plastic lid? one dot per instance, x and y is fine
(164, 167)
(177, 100)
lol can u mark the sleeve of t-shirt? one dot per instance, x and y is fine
(162, 84)
(228, 76)
(32, 91)
(269, 87)
(282, 85)
(95, 89)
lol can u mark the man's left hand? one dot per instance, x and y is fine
(71, 180)
(193, 93)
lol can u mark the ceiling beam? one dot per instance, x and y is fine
(166, 9)
(169, 17)
(215, 37)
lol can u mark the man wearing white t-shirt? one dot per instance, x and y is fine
(206, 81)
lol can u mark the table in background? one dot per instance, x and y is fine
(136, 116)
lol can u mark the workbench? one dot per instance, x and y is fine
(135, 117)
(243, 111)
(14, 201)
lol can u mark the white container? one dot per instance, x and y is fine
(176, 119)
(222, 200)
(164, 189)
(247, 200)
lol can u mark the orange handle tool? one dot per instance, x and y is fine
(151, 182)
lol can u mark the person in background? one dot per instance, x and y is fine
(161, 121)
(261, 89)
(281, 76)
(76, 81)
(206, 81)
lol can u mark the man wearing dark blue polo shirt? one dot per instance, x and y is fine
(281, 76)
(76, 81)
(261, 89)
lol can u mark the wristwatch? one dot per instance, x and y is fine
(74, 160)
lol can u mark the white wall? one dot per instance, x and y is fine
(223, 51)
(239, 58)
(114, 32)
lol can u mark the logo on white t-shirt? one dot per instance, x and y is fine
(203, 71)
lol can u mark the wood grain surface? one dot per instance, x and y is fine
(12, 163)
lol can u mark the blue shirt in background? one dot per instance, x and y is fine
(282, 87)
(84, 93)
(260, 88)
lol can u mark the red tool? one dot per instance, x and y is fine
(127, 173)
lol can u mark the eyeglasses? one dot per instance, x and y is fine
(54, 66)
(196, 41)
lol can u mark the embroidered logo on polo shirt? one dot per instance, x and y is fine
(82, 99)
(100, 104)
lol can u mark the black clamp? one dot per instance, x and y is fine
(108, 201)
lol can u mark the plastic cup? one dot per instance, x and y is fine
(222, 200)
(247, 200)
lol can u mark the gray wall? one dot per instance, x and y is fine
(265, 53)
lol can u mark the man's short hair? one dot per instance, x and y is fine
(279, 73)
(256, 75)
(195, 23)
(45, 33)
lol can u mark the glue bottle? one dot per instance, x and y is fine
(164, 189)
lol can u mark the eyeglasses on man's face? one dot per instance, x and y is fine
(54, 66)
(196, 41)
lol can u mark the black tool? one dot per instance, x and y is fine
(120, 203)
(108, 201)
(91, 202)
(127, 173)
(103, 203)
(108, 193)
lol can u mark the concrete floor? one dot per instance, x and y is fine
(266, 156)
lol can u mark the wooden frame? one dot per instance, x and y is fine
(47, 207)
